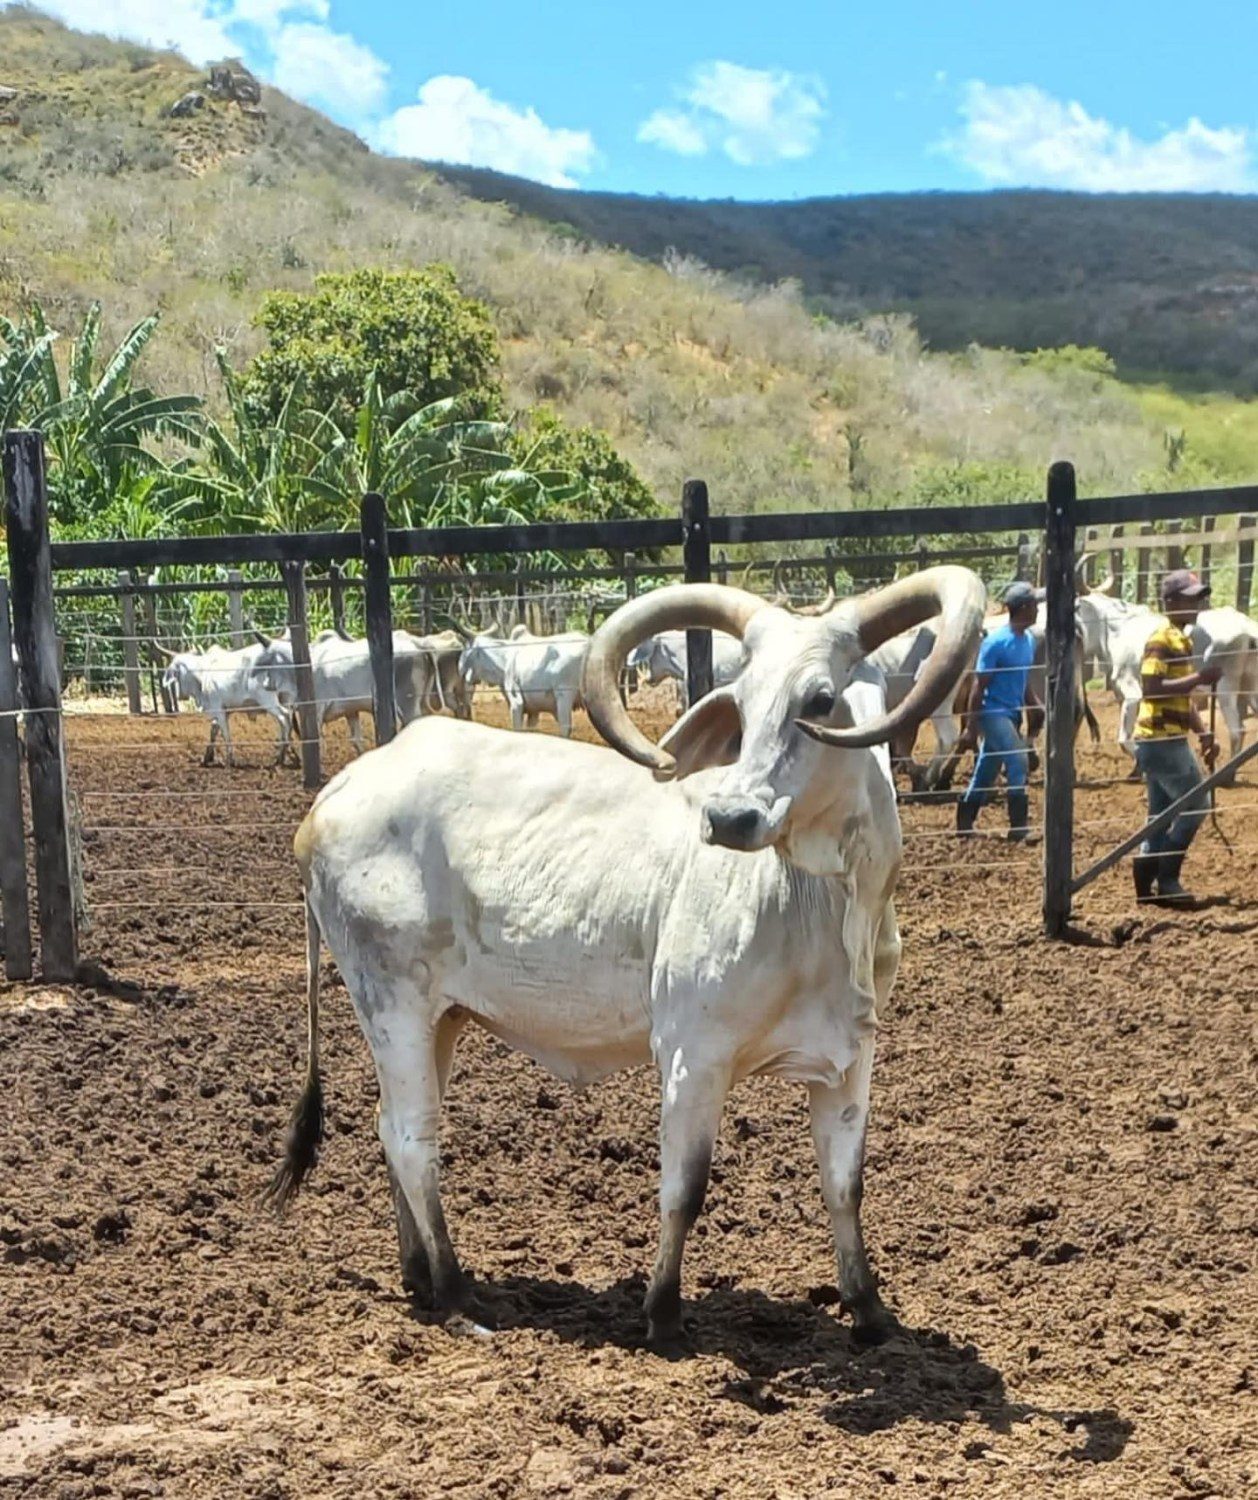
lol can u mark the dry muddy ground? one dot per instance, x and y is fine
(1060, 1200)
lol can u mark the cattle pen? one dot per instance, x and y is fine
(1059, 1199)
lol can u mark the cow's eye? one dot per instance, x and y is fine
(820, 704)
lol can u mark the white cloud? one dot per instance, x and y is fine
(456, 121)
(283, 40)
(1024, 136)
(329, 68)
(753, 115)
(197, 28)
(674, 131)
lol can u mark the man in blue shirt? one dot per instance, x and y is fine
(993, 715)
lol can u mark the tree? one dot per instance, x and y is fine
(606, 486)
(96, 423)
(415, 329)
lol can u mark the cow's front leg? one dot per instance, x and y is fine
(208, 758)
(355, 733)
(839, 1115)
(690, 1115)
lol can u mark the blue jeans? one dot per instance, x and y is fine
(1170, 770)
(1000, 744)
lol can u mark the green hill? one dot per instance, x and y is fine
(104, 195)
(1164, 282)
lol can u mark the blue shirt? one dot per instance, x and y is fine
(1008, 657)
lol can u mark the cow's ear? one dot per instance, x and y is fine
(709, 734)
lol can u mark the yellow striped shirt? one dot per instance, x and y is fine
(1167, 653)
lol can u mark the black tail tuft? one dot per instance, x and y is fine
(301, 1150)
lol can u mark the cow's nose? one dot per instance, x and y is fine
(733, 827)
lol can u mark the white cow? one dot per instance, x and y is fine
(341, 669)
(900, 660)
(663, 656)
(720, 904)
(1232, 641)
(439, 681)
(484, 659)
(221, 683)
(543, 676)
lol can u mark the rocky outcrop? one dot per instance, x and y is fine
(232, 82)
(188, 105)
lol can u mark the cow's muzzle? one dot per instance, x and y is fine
(744, 823)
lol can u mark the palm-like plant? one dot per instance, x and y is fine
(96, 426)
(22, 352)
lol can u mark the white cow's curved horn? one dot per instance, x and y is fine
(680, 606)
(959, 598)
(165, 650)
(1106, 585)
(261, 639)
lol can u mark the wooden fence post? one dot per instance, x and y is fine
(130, 646)
(1204, 566)
(1117, 561)
(1174, 550)
(722, 568)
(1059, 768)
(1244, 565)
(425, 606)
(1091, 540)
(1143, 559)
(831, 569)
(17, 915)
(379, 608)
(303, 675)
(697, 557)
(631, 575)
(236, 607)
(1026, 559)
(336, 597)
(35, 634)
(923, 557)
(148, 606)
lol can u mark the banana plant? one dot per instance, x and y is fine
(22, 351)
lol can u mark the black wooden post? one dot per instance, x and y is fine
(722, 568)
(236, 607)
(148, 605)
(379, 609)
(17, 915)
(336, 597)
(1245, 564)
(1026, 558)
(303, 675)
(1059, 766)
(631, 575)
(830, 569)
(1117, 561)
(1143, 560)
(697, 556)
(130, 646)
(1204, 567)
(35, 634)
(1175, 550)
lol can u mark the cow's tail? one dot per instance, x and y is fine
(305, 1130)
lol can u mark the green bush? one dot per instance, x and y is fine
(607, 485)
(415, 329)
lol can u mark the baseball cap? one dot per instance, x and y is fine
(1183, 583)
(1017, 595)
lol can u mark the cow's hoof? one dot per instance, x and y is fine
(872, 1331)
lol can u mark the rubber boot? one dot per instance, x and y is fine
(1170, 892)
(966, 814)
(1019, 817)
(1144, 870)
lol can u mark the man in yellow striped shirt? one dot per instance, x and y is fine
(1163, 751)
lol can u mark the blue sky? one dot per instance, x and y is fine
(759, 100)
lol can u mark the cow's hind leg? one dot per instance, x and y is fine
(838, 1131)
(690, 1115)
(413, 1054)
(412, 1256)
(208, 758)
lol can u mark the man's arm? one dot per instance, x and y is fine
(1034, 712)
(974, 704)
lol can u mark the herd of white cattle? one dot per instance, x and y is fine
(542, 675)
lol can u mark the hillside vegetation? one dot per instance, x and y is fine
(689, 371)
(1164, 282)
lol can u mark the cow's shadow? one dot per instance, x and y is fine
(792, 1350)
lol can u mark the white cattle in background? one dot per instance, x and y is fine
(663, 657)
(341, 669)
(543, 676)
(221, 683)
(719, 905)
(1232, 641)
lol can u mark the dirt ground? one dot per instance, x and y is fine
(1061, 1203)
